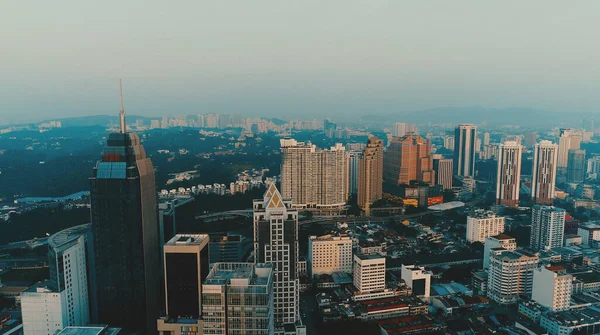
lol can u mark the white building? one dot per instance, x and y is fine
(64, 298)
(589, 232)
(564, 144)
(552, 287)
(508, 182)
(547, 227)
(543, 182)
(497, 241)
(510, 275)
(328, 254)
(482, 224)
(417, 279)
(369, 273)
(43, 310)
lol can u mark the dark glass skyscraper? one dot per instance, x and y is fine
(126, 273)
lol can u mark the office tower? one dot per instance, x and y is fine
(353, 159)
(408, 158)
(497, 241)
(489, 151)
(369, 273)
(449, 142)
(314, 178)
(211, 120)
(464, 150)
(547, 227)
(530, 139)
(543, 182)
(125, 233)
(329, 128)
(575, 142)
(417, 278)
(186, 259)
(564, 144)
(510, 275)
(589, 232)
(62, 300)
(552, 287)
(226, 248)
(482, 224)
(370, 173)
(276, 242)
(328, 254)
(576, 166)
(508, 182)
(486, 138)
(442, 168)
(172, 212)
(238, 298)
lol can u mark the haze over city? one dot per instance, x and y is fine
(308, 58)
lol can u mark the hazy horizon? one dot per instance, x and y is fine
(287, 60)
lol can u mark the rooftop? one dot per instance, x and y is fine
(254, 274)
(367, 257)
(590, 225)
(193, 239)
(503, 237)
(67, 235)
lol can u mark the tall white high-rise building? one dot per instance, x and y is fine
(314, 178)
(400, 129)
(418, 279)
(593, 167)
(497, 241)
(449, 142)
(482, 224)
(276, 242)
(443, 171)
(552, 287)
(328, 254)
(486, 138)
(547, 227)
(510, 275)
(369, 273)
(237, 298)
(543, 182)
(63, 300)
(464, 150)
(508, 182)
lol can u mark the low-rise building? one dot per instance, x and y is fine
(328, 254)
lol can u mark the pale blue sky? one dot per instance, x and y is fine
(314, 58)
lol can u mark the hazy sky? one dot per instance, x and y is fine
(290, 58)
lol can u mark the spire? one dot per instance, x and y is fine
(122, 113)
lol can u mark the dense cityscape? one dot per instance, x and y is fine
(299, 167)
(405, 229)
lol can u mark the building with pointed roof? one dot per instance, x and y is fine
(276, 243)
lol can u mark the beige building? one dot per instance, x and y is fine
(370, 173)
(482, 224)
(328, 254)
(510, 275)
(314, 178)
(508, 183)
(552, 287)
(369, 273)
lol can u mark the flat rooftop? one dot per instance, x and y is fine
(223, 273)
(89, 330)
(189, 239)
(590, 225)
(367, 257)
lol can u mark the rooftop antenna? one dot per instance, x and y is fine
(122, 113)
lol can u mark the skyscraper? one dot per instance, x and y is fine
(464, 150)
(552, 287)
(408, 158)
(547, 227)
(370, 173)
(543, 182)
(576, 166)
(314, 178)
(353, 159)
(125, 233)
(237, 298)
(564, 144)
(276, 242)
(399, 129)
(486, 138)
(508, 182)
(510, 275)
(442, 168)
